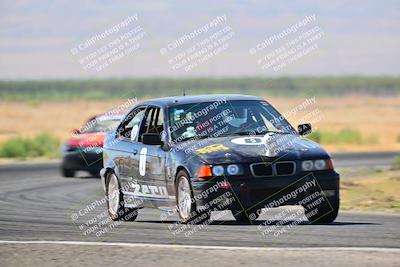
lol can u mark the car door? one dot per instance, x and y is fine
(127, 148)
(152, 167)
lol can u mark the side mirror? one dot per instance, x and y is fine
(304, 129)
(151, 139)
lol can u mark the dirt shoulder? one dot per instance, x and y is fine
(372, 190)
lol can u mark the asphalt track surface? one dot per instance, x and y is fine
(36, 203)
(364, 160)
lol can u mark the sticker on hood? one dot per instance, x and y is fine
(249, 141)
(212, 148)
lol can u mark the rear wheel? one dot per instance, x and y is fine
(67, 172)
(115, 201)
(186, 208)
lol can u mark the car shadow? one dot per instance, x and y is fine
(282, 223)
(263, 222)
(89, 177)
(82, 177)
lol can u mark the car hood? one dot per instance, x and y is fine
(252, 149)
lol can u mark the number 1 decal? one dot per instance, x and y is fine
(142, 161)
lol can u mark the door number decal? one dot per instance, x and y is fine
(142, 161)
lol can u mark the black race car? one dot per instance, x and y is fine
(197, 154)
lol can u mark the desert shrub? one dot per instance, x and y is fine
(42, 145)
(349, 136)
(316, 136)
(345, 136)
(396, 163)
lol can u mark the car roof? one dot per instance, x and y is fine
(105, 116)
(177, 100)
(110, 117)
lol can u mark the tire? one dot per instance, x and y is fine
(248, 216)
(187, 211)
(67, 172)
(130, 214)
(115, 201)
(325, 213)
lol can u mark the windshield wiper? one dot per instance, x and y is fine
(276, 132)
(245, 133)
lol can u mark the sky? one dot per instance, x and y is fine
(38, 38)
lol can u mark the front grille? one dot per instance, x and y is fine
(271, 169)
(284, 168)
(262, 169)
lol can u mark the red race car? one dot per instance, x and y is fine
(84, 150)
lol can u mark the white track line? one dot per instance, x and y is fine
(81, 243)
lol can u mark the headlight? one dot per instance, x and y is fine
(307, 165)
(317, 165)
(320, 164)
(218, 170)
(232, 169)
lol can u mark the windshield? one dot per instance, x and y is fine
(100, 125)
(214, 119)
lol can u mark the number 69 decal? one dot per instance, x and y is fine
(142, 161)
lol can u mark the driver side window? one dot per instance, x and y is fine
(130, 127)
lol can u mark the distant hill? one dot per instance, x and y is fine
(128, 88)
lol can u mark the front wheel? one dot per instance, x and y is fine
(115, 201)
(322, 214)
(186, 207)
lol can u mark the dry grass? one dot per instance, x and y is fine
(374, 117)
(58, 118)
(371, 116)
(370, 190)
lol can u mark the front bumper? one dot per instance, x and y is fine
(83, 160)
(261, 192)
